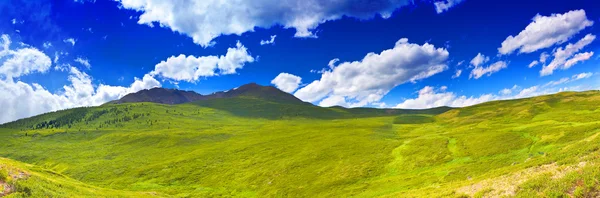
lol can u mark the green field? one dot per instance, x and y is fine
(546, 146)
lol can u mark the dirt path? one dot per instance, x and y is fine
(5, 188)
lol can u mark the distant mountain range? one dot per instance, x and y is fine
(175, 96)
(256, 100)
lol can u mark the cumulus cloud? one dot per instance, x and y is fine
(442, 6)
(22, 61)
(287, 82)
(70, 41)
(429, 97)
(543, 57)
(546, 31)
(364, 82)
(332, 62)
(558, 82)
(266, 42)
(334, 100)
(479, 60)
(84, 61)
(578, 58)
(505, 91)
(205, 20)
(479, 70)
(191, 68)
(47, 45)
(20, 99)
(533, 64)
(564, 57)
(457, 73)
(582, 76)
(508, 91)
(568, 80)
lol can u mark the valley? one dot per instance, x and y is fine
(253, 146)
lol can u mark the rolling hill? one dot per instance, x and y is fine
(174, 96)
(256, 141)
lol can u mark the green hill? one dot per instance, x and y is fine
(174, 96)
(252, 145)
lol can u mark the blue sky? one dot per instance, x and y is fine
(390, 53)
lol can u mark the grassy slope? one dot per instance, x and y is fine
(24, 180)
(247, 147)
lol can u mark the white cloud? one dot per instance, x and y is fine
(582, 76)
(205, 20)
(332, 63)
(334, 101)
(318, 71)
(568, 80)
(546, 31)
(287, 82)
(533, 64)
(543, 57)
(478, 72)
(22, 61)
(562, 55)
(20, 99)
(444, 5)
(47, 45)
(84, 61)
(479, 60)
(578, 58)
(191, 68)
(508, 91)
(57, 56)
(505, 91)
(443, 88)
(558, 82)
(366, 81)
(428, 98)
(70, 41)
(457, 73)
(529, 92)
(265, 42)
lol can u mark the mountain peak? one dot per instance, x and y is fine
(257, 91)
(160, 95)
(175, 96)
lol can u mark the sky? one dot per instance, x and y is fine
(355, 53)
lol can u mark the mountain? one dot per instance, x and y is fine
(160, 95)
(256, 142)
(254, 100)
(174, 96)
(256, 91)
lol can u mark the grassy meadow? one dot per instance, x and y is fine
(546, 146)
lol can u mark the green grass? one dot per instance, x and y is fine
(26, 180)
(414, 119)
(248, 147)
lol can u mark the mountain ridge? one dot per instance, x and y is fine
(176, 96)
(236, 146)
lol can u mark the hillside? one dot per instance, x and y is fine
(160, 95)
(25, 180)
(174, 96)
(248, 145)
(254, 100)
